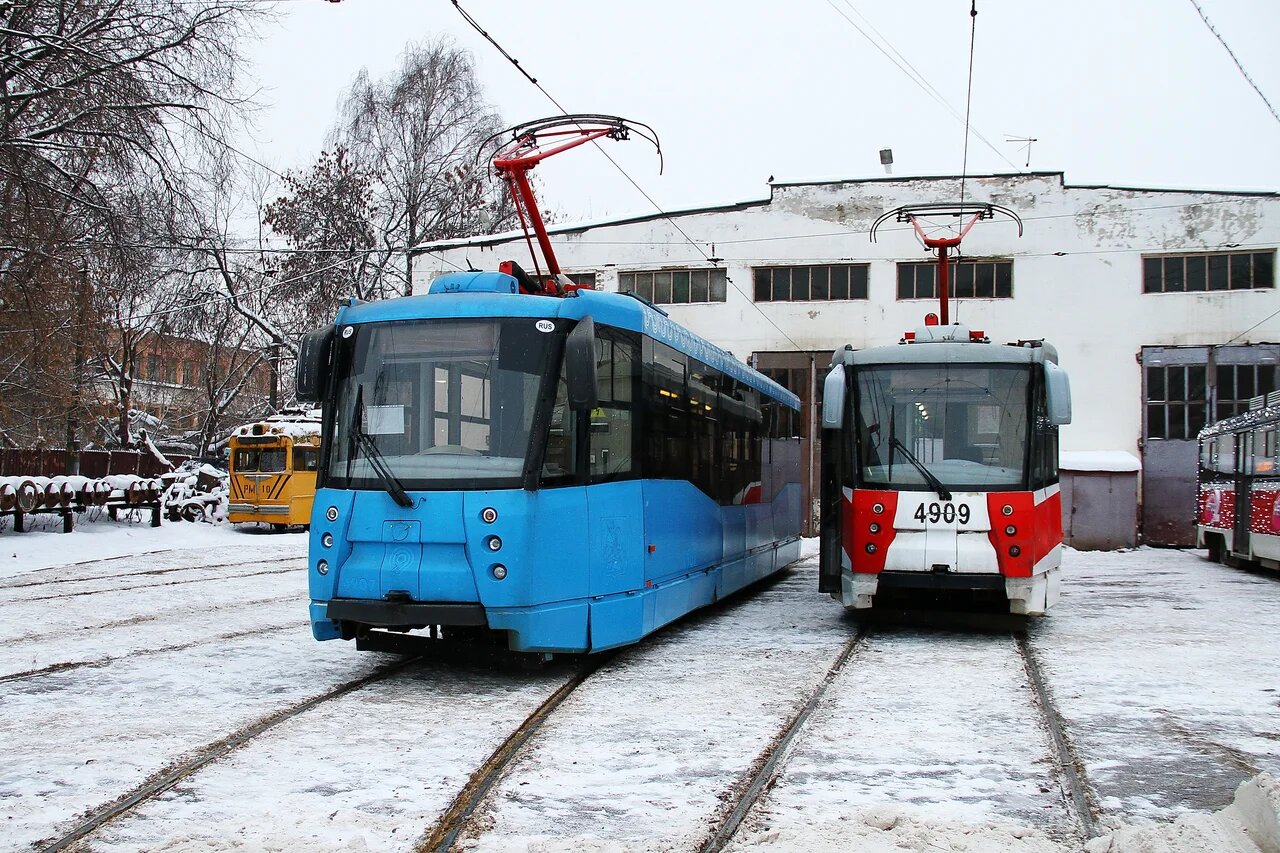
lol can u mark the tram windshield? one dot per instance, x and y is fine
(963, 425)
(437, 403)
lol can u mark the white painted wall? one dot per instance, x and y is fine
(1077, 274)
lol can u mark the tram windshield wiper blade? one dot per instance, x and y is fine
(930, 478)
(376, 460)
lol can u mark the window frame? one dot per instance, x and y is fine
(965, 275)
(804, 282)
(1161, 270)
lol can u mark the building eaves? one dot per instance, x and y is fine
(579, 228)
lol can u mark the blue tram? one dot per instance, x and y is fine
(562, 474)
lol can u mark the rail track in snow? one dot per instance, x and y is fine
(166, 778)
(456, 819)
(296, 566)
(1078, 798)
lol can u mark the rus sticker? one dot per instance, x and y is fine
(545, 326)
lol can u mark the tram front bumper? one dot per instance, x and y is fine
(404, 613)
(1027, 596)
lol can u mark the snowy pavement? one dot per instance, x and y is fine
(127, 651)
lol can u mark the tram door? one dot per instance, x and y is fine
(1244, 496)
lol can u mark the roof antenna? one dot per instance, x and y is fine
(1027, 148)
(470, 266)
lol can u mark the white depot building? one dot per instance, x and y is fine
(1161, 304)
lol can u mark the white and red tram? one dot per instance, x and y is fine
(940, 466)
(1239, 469)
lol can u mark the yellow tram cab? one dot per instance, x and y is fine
(273, 470)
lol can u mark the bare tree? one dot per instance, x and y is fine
(418, 134)
(98, 102)
(327, 217)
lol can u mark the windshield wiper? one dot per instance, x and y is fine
(379, 463)
(933, 481)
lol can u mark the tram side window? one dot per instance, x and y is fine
(1044, 447)
(666, 421)
(560, 461)
(1265, 460)
(612, 421)
(742, 430)
(305, 458)
(1224, 454)
(704, 416)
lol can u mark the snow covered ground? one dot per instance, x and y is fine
(126, 651)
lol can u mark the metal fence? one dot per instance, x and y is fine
(93, 463)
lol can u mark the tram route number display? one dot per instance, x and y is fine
(946, 512)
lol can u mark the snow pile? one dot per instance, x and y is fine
(1098, 460)
(1251, 823)
(892, 829)
(196, 493)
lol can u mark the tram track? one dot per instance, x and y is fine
(457, 817)
(97, 663)
(168, 584)
(766, 764)
(143, 619)
(1068, 764)
(1079, 804)
(26, 584)
(168, 777)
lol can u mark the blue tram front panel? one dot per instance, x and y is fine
(636, 556)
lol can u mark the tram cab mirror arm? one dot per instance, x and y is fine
(1058, 390)
(315, 353)
(580, 366)
(833, 398)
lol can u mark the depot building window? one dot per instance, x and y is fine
(1206, 271)
(977, 278)
(675, 287)
(810, 283)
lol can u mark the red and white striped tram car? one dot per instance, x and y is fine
(1238, 501)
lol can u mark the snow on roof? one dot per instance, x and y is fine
(1098, 460)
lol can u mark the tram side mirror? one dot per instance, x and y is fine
(580, 366)
(315, 354)
(833, 394)
(1059, 393)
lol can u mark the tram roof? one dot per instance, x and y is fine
(611, 309)
(945, 353)
(1244, 421)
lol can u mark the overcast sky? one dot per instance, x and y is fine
(1124, 92)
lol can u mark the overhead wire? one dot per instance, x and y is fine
(915, 76)
(706, 257)
(1235, 59)
(968, 97)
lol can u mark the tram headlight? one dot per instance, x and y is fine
(878, 508)
(323, 567)
(327, 540)
(488, 515)
(1007, 509)
(1011, 531)
(874, 528)
(493, 543)
(871, 547)
(499, 571)
(331, 513)
(1014, 551)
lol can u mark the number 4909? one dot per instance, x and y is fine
(946, 512)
